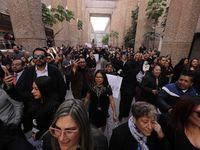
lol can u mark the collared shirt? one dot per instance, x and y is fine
(18, 75)
(41, 73)
(184, 90)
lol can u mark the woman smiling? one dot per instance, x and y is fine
(71, 127)
(141, 132)
(100, 95)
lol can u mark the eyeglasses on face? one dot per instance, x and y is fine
(40, 56)
(48, 58)
(98, 77)
(198, 113)
(67, 133)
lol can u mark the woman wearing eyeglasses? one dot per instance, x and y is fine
(184, 134)
(100, 96)
(71, 128)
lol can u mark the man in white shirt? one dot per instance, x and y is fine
(42, 68)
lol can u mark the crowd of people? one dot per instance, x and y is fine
(165, 113)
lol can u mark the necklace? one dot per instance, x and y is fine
(98, 95)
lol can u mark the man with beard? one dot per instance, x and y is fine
(80, 77)
(42, 68)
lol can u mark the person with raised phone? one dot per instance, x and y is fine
(80, 77)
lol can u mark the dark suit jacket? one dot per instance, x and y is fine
(7, 59)
(20, 84)
(122, 139)
(53, 72)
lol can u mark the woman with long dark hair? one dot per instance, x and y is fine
(100, 96)
(150, 85)
(184, 133)
(91, 62)
(193, 65)
(179, 68)
(48, 103)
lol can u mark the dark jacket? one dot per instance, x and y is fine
(53, 72)
(7, 59)
(147, 85)
(176, 140)
(76, 80)
(196, 84)
(53, 63)
(122, 139)
(9, 140)
(177, 71)
(45, 114)
(168, 95)
(129, 82)
(117, 64)
(91, 63)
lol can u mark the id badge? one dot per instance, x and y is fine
(99, 108)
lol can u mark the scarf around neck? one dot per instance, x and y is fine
(139, 136)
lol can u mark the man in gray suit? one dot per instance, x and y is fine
(66, 65)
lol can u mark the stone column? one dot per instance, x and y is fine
(131, 6)
(62, 38)
(142, 25)
(89, 26)
(115, 23)
(181, 25)
(121, 22)
(80, 16)
(26, 19)
(73, 29)
(85, 24)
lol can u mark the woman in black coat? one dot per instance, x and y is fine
(178, 69)
(128, 87)
(150, 85)
(141, 132)
(45, 109)
(91, 62)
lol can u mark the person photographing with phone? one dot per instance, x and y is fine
(80, 77)
(11, 110)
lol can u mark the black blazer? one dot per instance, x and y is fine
(122, 139)
(53, 72)
(20, 84)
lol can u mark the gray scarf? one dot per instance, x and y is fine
(139, 136)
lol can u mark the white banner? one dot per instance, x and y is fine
(115, 83)
(96, 57)
(88, 45)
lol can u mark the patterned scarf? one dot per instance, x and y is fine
(139, 136)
